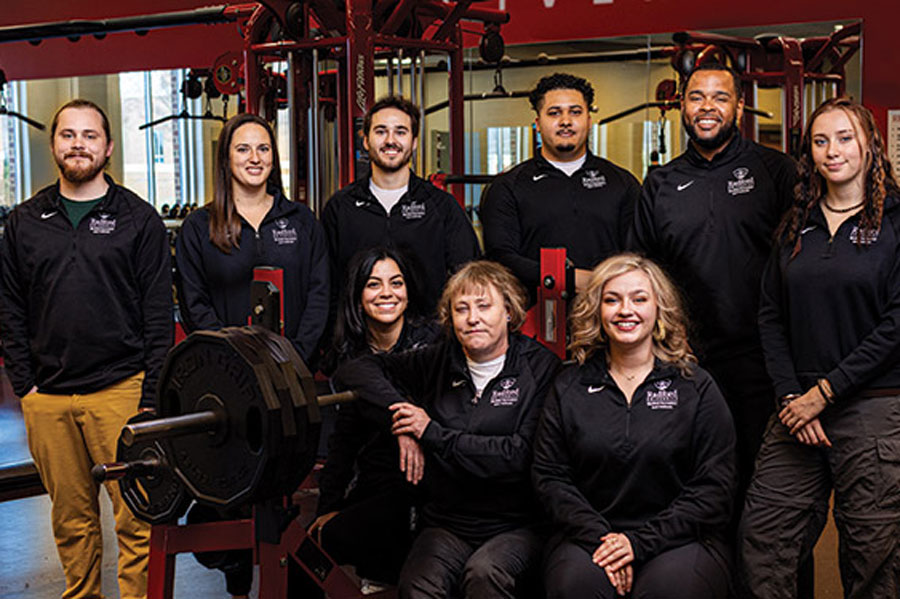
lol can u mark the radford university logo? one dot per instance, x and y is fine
(507, 394)
(662, 398)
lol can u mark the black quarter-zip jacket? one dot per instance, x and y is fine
(535, 205)
(427, 224)
(358, 446)
(88, 307)
(710, 223)
(214, 287)
(661, 471)
(478, 453)
(833, 310)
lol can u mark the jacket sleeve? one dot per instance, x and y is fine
(495, 457)
(783, 170)
(706, 499)
(773, 331)
(315, 312)
(343, 447)
(554, 484)
(194, 300)
(154, 277)
(503, 235)
(878, 349)
(329, 222)
(377, 379)
(643, 237)
(14, 313)
(460, 241)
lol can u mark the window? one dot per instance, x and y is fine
(163, 163)
(15, 184)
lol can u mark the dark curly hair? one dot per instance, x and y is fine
(811, 188)
(560, 81)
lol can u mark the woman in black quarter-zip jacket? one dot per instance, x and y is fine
(634, 457)
(474, 402)
(829, 322)
(250, 223)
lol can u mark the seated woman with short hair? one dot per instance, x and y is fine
(475, 399)
(634, 457)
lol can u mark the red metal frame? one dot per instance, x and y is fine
(168, 540)
(546, 321)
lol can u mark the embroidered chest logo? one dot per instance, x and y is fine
(742, 183)
(282, 235)
(413, 210)
(103, 225)
(662, 398)
(856, 236)
(593, 180)
(506, 395)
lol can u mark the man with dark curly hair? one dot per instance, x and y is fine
(563, 197)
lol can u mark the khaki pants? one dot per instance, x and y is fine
(67, 434)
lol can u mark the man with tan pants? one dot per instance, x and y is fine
(86, 317)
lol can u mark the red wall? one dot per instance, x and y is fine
(532, 21)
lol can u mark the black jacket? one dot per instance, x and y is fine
(834, 309)
(214, 287)
(535, 205)
(427, 224)
(710, 224)
(661, 470)
(358, 446)
(85, 308)
(478, 454)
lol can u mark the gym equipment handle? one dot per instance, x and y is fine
(117, 470)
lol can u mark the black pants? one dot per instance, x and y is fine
(374, 535)
(787, 502)
(442, 565)
(688, 572)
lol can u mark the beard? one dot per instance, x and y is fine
(390, 167)
(712, 143)
(81, 174)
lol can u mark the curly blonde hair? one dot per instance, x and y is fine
(477, 276)
(670, 342)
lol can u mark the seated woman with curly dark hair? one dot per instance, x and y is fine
(634, 457)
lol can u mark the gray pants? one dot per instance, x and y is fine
(442, 565)
(787, 503)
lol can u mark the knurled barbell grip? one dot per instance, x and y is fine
(333, 398)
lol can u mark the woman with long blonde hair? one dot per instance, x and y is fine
(634, 457)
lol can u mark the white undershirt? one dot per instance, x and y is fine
(387, 197)
(483, 372)
(570, 167)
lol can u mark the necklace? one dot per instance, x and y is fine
(629, 377)
(842, 210)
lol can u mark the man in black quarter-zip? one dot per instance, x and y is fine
(708, 217)
(395, 208)
(563, 197)
(86, 314)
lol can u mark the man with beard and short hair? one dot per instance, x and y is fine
(86, 314)
(709, 216)
(563, 197)
(395, 208)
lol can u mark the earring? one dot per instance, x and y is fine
(659, 331)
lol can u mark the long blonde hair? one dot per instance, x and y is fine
(670, 342)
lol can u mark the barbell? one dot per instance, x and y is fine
(238, 423)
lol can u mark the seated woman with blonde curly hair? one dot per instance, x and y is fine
(634, 457)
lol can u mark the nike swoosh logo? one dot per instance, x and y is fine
(806, 230)
(539, 177)
(458, 383)
(592, 389)
(46, 215)
(684, 186)
(360, 203)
